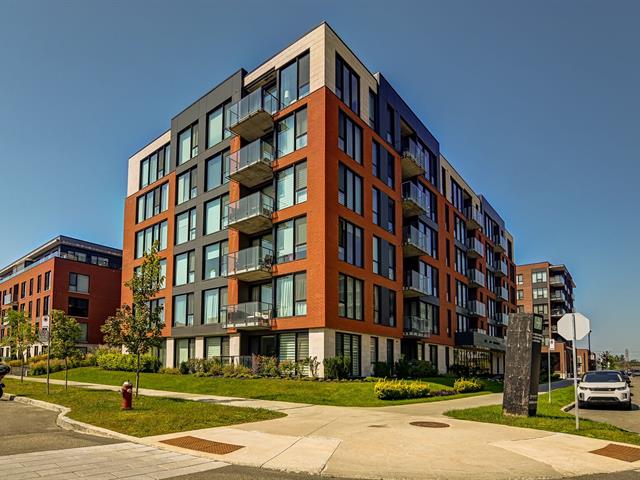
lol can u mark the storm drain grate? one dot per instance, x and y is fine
(202, 445)
(430, 424)
(619, 452)
(378, 426)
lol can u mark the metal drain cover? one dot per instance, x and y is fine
(430, 424)
(378, 426)
(202, 445)
(619, 452)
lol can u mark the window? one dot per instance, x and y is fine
(30, 286)
(147, 237)
(215, 212)
(78, 283)
(39, 283)
(185, 268)
(541, 309)
(291, 240)
(391, 125)
(520, 294)
(349, 189)
(183, 310)
(384, 306)
(187, 186)
(540, 293)
(461, 261)
(384, 210)
(347, 85)
(348, 345)
(457, 195)
(349, 137)
(188, 144)
(292, 132)
(23, 289)
(382, 164)
(294, 80)
(373, 110)
(291, 185)
(153, 202)
(216, 123)
(217, 170)
(163, 273)
(154, 166)
(84, 330)
(214, 304)
(519, 279)
(215, 260)
(350, 243)
(291, 295)
(47, 281)
(350, 297)
(78, 307)
(384, 258)
(186, 226)
(462, 294)
(459, 229)
(185, 349)
(216, 347)
(539, 277)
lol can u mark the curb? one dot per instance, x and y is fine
(69, 424)
(568, 407)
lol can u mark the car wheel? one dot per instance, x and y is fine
(582, 404)
(628, 405)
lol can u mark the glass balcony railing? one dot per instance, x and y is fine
(476, 277)
(415, 326)
(251, 214)
(251, 117)
(501, 244)
(415, 242)
(251, 165)
(416, 284)
(558, 312)
(249, 315)
(414, 200)
(414, 158)
(557, 280)
(249, 264)
(474, 217)
(558, 297)
(477, 308)
(475, 248)
(502, 269)
(502, 293)
(501, 318)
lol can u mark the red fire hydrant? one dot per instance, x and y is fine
(127, 395)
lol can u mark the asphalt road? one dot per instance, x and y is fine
(625, 419)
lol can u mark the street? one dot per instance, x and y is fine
(625, 419)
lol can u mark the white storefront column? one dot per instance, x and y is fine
(318, 346)
(199, 347)
(442, 359)
(234, 347)
(170, 352)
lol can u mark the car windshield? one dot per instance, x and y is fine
(602, 377)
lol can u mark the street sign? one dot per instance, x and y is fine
(582, 326)
(552, 344)
(43, 335)
(44, 324)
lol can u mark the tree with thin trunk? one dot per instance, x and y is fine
(21, 335)
(65, 332)
(138, 327)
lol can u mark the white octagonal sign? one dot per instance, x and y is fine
(565, 326)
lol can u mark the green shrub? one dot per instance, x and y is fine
(458, 370)
(169, 371)
(381, 369)
(288, 368)
(467, 385)
(414, 369)
(127, 362)
(400, 389)
(40, 368)
(231, 370)
(265, 366)
(337, 367)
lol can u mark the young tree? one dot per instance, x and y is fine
(65, 332)
(21, 335)
(139, 327)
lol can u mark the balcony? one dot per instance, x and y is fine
(415, 284)
(250, 264)
(251, 214)
(416, 327)
(475, 248)
(558, 312)
(557, 281)
(414, 201)
(501, 269)
(476, 278)
(414, 242)
(477, 308)
(558, 297)
(480, 339)
(249, 316)
(502, 293)
(501, 318)
(501, 245)
(413, 159)
(252, 117)
(251, 165)
(474, 218)
(8, 299)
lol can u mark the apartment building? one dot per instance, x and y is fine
(301, 210)
(78, 277)
(547, 289)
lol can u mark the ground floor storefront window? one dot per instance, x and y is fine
(477, 361)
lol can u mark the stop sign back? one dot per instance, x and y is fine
(565, 326)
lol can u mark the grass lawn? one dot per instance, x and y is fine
(551, 418)
(150, 416)
(351, 394)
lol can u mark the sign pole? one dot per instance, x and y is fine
(549, 368)
(575, 374)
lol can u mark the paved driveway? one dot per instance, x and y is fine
(628, 420)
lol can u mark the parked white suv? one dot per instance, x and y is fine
(602, 387)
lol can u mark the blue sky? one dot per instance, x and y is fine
(534, 103)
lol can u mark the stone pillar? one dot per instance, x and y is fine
(170, 353)
(442, 359)
(234, 347)
(199, 347)
(318, 338)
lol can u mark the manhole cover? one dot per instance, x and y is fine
(619, 452)
(430, 424)
(202, 445)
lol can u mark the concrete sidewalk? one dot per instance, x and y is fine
(380, 442)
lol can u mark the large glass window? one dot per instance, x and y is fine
(187, 186)
(292, 132)
(215, 264)
(294, 80)
(539, 277)
(347, 85)
(384, 210)
(183, 310)
(153, 202)
(383, 164)
(291, 185)
(350, 297)
(349, 189)
(154, 166)
(78, 307)
(381, 297)
(291, 295)
(540, 293)
(216, 347)
(185, 349)
(217, 170)
(348, 345)
(384, 253)
(146, 238)
(349, 137)
(188, 144)
(350, 243)
(291, 240)
(185, 268)
(216, 214)
(78, 283)
(216, 123)
(186, 227)
(214, 303)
